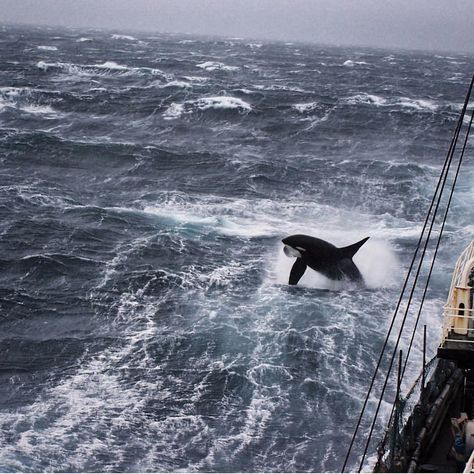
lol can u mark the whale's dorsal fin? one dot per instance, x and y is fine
(351, 250)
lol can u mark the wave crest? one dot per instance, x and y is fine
(406, 102)
(105, 68)
(351, 63)
(48, 48)
(23, 98)
(176, 110)
(306, 108)
(216, 66)
(124, 37)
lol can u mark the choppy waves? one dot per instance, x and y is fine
(147, 182)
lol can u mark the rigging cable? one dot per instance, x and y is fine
(434, 256)
(436, 249)
(451, 148)
(439, 238)
(406, 312)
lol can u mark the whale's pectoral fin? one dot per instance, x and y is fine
(297, 271)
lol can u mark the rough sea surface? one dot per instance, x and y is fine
(146, 183)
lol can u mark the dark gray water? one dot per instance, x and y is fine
(146, 182)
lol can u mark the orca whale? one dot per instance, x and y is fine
(333, 262)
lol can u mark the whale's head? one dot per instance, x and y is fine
(292, 247)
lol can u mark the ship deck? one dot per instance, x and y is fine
(439, 458)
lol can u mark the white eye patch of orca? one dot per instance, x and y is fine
(292, 252)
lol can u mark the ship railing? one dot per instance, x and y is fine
(458, 324)
(458, 274)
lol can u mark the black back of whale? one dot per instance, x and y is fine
(332, 262)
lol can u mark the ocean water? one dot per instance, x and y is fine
(146, 183)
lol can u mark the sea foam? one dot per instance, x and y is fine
(278, 87)
(406, 102)
(175, 110)
(124, 37)
(307, 107)
(216, 66)
(107, 67)
(351, 63)
(21, 98)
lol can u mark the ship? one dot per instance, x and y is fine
(438, 435)
(431, 426)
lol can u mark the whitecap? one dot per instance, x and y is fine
(208, 217)
(83, 40)
(179, 84)
(68, 67)
(456, 77)
(314, 121)
(351, 63)
(44, 66)
(445, 57)
(112, 65)
(47, 48)
(124, 37)
(305, 108)
(277, 87)
(206, 103)
(216, 66)
(100, 69)
(38, 109)
(225, 275)
(20, 98)
(245, 91)
(365, 99)
(196, 79)
(418, 104)
(174, 111)
(406, 102)
(222, 102)
(11, 92)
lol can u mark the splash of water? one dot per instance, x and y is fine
(376, 261)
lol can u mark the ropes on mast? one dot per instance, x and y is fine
(434, 256)
(429, 222)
